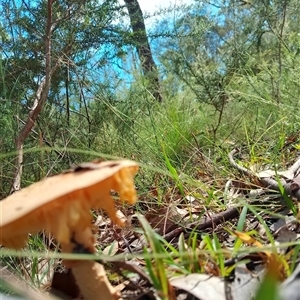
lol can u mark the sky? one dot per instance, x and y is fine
(151, 6)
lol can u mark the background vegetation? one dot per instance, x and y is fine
(228, 74)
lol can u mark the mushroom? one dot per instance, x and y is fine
(61, 205)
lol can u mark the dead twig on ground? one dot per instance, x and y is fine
(290, 185)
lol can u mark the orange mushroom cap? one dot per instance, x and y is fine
(61, 204)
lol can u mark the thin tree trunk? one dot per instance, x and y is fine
(143, 47)
(39, 101)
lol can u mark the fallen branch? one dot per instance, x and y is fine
(204, 223)
(212, 221)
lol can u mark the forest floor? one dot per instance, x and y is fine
(227, 231)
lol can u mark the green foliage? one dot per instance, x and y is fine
(156, 267)
(268, 289)
(214, 247)
(173, 173)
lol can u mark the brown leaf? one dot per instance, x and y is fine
(162, 219)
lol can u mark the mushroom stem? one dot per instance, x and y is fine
(92, 281)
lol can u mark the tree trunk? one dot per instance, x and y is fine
(143, 48)
(39, 102)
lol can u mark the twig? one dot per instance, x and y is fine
(291, 188)
(236, 165)
(213, 220)
(173, 234)
(266, 181)
(295, 167)
(204, 223)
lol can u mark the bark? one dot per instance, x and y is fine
(143, 48)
